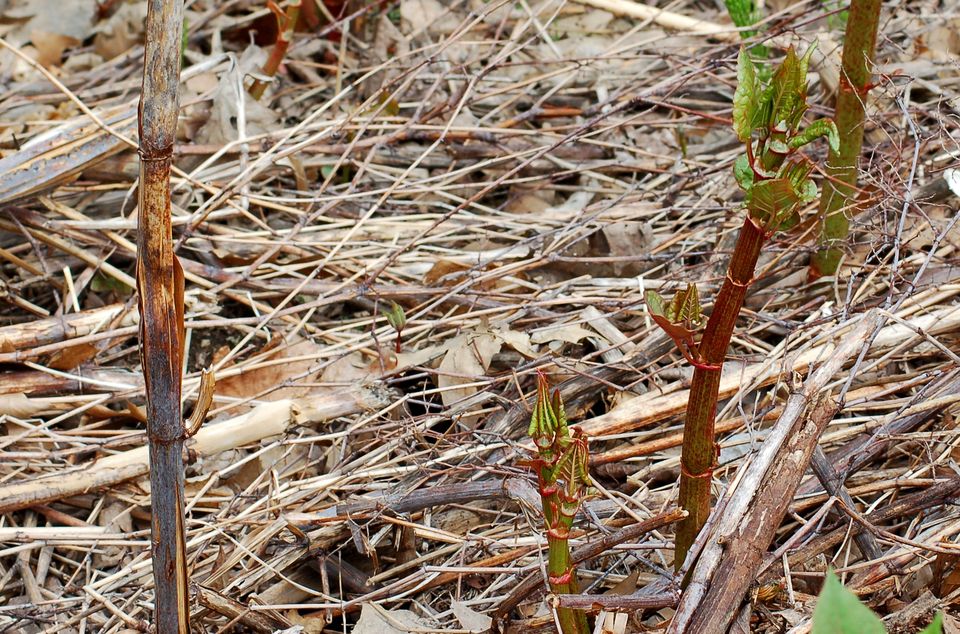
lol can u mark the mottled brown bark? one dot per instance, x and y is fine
(160, 295)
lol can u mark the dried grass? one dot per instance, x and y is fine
(513, 175)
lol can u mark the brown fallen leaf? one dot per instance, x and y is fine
(260, 380)
(466, 361)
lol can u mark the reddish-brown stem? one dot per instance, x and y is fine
(308, 13)
(160, 295)
(699, 450)
(286, 22)
(839, 188)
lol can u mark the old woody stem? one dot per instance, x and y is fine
(838, 190)
(160, 286)
(699, 449)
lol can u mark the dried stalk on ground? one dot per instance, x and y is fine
(160, 295)
(743, 525)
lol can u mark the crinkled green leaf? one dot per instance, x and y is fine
(685, 307)
(778, 147)
(839, 611)
(807, 191)
(655, 303)
(796, 171)
(817, 129)
(395, 316)
(743, 172)
(745, 96)
(789, 90)
(773, 203)
(681, 318)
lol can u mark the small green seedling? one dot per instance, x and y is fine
(398, 319)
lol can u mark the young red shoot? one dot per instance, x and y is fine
(563, 482)
(767, 119)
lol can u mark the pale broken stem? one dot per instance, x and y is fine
(269, 419)
(666, 19)
(638, 413)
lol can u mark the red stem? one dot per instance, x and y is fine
(699, 447)
(287, 23)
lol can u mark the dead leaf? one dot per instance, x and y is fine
(569, 333)
(116, 517)
(430, 15)
(347, 370)
(625, 239)
(376, 620)
(306, 624)
(445, 270)
(519, 341)
(527, 203)
(466, 361)
(261, 379)
(50, 47)
(20, 406)
(70, 18)
(470, 619)
(121, 30)
(223, 124)
(71, 357)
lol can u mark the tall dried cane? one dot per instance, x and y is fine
(160, 290)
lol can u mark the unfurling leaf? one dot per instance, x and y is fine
(745, 97)
(787, 92)
(548, 422)
(773, 203)
(817, 129)
(395, 316)
(743, 172)
(682, 317)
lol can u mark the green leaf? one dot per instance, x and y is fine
(839, 611)
(745, 97)
(743, 172)
(773, 203)
(682, 317)
(395, 316)
(817, 129)
(788, 90)
(742, 12)
(936, 626)
(807, 190)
